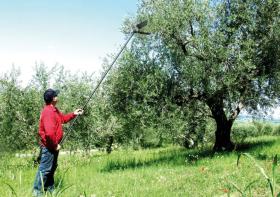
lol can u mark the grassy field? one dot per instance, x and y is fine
(170, 171)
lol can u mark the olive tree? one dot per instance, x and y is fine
(222, 54)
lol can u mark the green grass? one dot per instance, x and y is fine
(171, 171)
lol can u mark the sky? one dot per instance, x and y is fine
(77, 34)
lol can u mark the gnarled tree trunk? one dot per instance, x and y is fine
(223, 126)
(222, 134)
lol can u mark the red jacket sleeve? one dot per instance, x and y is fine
(50, 125)
(67, 117)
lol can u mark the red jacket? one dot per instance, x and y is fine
(50, 126)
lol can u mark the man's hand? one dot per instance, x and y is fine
(58, 147)
(78, 112)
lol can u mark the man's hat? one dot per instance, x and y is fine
(50, 94)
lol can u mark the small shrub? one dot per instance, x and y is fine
(267, 129)
(276, 130)
(241, 131)
(259, 126)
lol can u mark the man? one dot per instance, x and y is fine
(51, 133)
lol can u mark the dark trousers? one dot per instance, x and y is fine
(47, 167)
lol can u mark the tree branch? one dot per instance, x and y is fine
(236, 111)
(180, 99)
(180, 43)
(183, 45)
(191, 26)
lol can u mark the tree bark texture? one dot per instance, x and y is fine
(223, 126)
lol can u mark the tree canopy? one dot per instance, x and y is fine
(218, 57)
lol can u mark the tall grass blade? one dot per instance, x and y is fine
(262, 172)
(42, 182)
(257, 165)
(249, 185)
(62, 178)
(11, 188)
(236, 187)
(63, 190)
(238, 158)
(250, 192)
(275, 160)
(274, 165)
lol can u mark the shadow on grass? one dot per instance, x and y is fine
(181, 156)
(175, 157)
(255, 148)
(252, 146)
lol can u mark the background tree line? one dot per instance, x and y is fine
(102, 125)
(185, 83)
(108, 122)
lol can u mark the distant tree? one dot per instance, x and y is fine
(222, 54)
(20, 107)
(17, 110)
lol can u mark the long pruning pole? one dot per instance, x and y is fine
(138, 27)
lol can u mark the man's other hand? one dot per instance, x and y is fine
(58, 147)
